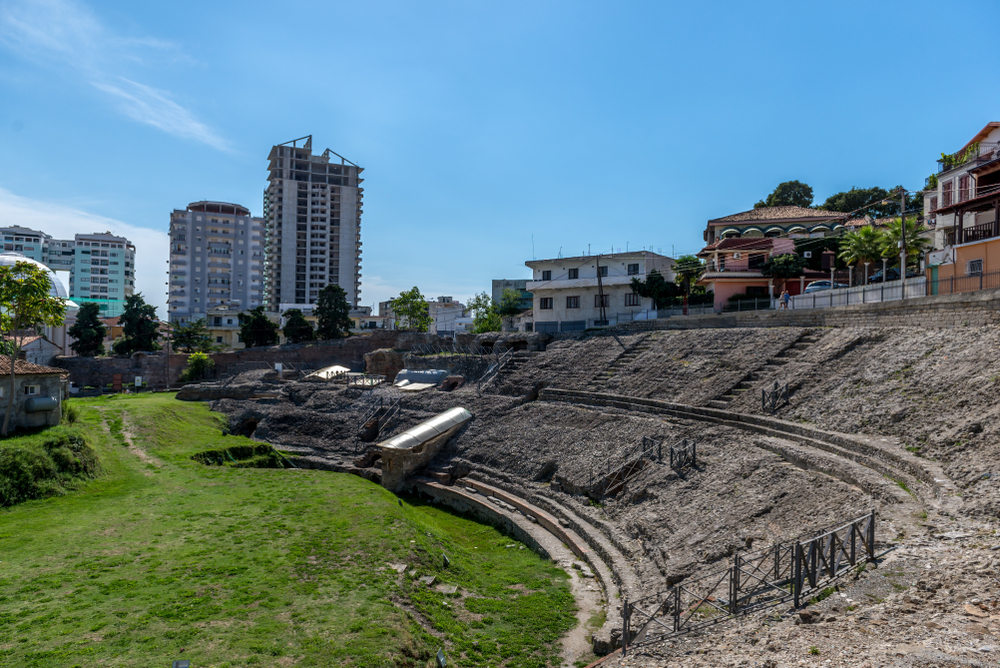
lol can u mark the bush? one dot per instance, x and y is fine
(38, 466)
(199, 366)
(70, 413)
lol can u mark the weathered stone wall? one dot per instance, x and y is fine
(969, 309)
(48, 386)
(155, 368)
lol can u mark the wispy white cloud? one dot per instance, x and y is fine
(62, 222)
(65, 34)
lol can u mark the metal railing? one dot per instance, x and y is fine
(683, 455)
(502, 360)
(756, 304)
(979, 150)
(611, 479)
(784, 572)
(967, 283)
(771, 400)
(885, 291)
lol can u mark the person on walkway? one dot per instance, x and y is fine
(785, 297)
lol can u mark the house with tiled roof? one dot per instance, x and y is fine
(38, 393)
(962, 205)
(740, 244)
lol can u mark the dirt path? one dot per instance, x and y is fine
(578, 644)
(128, 436)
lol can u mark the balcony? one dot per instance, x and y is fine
(980, 232)
(979, 152)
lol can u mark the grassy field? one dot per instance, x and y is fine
(162, 557)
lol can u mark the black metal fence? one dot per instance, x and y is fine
(502, 360)
(968, 283)
(771, 400)
(683, 455)
(453, 349)
(612, 477)
(784, 572)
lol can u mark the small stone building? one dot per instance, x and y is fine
(38, 393)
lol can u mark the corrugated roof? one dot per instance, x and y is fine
(772, 213)
(24, 368)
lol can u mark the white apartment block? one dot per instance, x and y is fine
(445, 313)
(101, 266)
(216, 260)
(312, 213)
(568, 293)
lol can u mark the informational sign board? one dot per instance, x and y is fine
(116, 382)
(138, 381)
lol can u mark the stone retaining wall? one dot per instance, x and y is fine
(965, 309)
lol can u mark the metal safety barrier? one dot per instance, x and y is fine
(771, 400)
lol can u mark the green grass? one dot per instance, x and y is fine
(255, 566)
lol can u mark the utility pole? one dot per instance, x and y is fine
(902, 243)
(600, 291)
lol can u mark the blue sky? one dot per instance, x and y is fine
(480, 125)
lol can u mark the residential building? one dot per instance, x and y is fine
(223, 325)
(216, 260)
(740, 244)
(962, 206)
(501, 284)
(312, 217)
(792, 222)
(103, 271)
(573, 293)
(29, 243)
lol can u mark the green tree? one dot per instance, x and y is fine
(789, 193)
(815, 247)
(784, 267)
(192, 337)
(410, 311)
(297, 328)
(860, 246)
(875, 202)
(199, 367)
(485, 314)
(656, 287)
(688, 269)
(333, 320)
(88, 331)
(27, 304)
(510, 303)
(140, 330)
(915, 244)
(256, 329)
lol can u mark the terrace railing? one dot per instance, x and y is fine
(782, 573)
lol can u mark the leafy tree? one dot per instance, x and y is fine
(256, 329)
(410, 311)
(877, 202)
(915, 244)
(88, 331)
(816, 246)
(192, 337)
(199, 366)
(139, 327)
(788, 265)
(510, 303)
(485, 314)
(860, 246)
(657, 288)
(333, 320)
(688, 269)
(789, 193)
(297, 328)
(25, 293)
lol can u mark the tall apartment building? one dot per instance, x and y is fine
(103, 270)
(101, 265)
(312, 213)
(216, 260)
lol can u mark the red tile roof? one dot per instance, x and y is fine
(23, 368)
(773, 213)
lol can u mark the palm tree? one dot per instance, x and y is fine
(915, 244)
(862, 245)
(688, 268)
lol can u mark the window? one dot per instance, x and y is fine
(946, 192)
(31, 389)
(572, 302)
(632, 299)
(545, 303)
(963, 188)
(218, 339)
(602, 300)
(547, 276)
(573, 273)
(974, 267)
(603, 271)
(633, 269)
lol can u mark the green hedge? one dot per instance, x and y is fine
(41, 465)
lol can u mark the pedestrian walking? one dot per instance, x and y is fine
(784, 299)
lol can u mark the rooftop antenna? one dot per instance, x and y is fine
(560, 252)
(533, 247)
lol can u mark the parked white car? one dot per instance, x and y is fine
(817, 286)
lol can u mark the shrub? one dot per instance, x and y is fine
(199, 366)
(35, 467)
(70, 413)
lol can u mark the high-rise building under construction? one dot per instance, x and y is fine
(312, 214)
